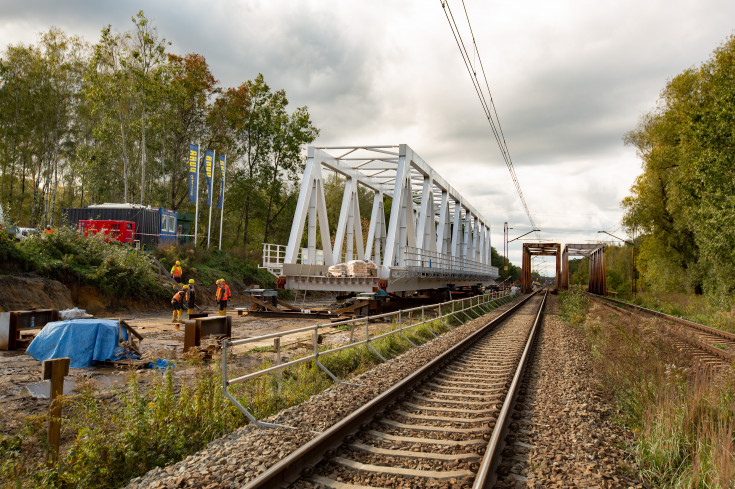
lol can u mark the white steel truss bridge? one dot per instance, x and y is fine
(432, 237)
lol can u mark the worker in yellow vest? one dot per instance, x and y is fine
(190, 297)
(222, 296)
(176, 273)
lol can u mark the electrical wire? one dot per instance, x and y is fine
(487, 103)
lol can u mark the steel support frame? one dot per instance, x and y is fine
(598, 275)
(539, 249)
(427, 214)
(581, 250)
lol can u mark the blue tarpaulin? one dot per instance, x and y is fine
(85, 341)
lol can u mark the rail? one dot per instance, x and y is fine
(486, 475)
(288, 469)
(443, 310)
(725, 336)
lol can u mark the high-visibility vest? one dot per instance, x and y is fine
(179, 296)
(223, 293)
(176, 271)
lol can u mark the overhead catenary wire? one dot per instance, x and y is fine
(487, 103)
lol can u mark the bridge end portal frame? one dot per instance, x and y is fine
(539, 249)
(597, 276)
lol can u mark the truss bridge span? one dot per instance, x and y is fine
(431, 238)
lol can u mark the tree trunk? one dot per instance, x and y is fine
(142, 154)
(22, 189)
(270, 200)
(124, 151)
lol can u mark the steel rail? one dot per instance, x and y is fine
(486, 474)
(725, 355)
(302, 461)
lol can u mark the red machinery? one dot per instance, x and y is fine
(123, 231)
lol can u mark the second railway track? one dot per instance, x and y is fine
(442, 426)
(706, 344)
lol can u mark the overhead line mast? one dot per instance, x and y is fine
(493, 120)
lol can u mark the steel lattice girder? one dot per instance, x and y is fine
(575, 250)
(431, 229)
(598, 275)
(542, 249)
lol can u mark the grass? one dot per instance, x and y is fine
(707, 310)
(108, 441)
(683, 416)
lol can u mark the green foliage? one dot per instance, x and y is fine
(116, 123)
(140, 429)
(684, 202)
(574, 305)
(683, 417)
(69, 257)
(206, 266)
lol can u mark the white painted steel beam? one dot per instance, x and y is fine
(431, 232)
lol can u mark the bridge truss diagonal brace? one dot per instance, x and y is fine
(311, 203)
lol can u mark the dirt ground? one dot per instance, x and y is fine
(161, 340)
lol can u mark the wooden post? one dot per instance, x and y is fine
(55, 370)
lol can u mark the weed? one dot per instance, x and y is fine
(108, 442)
(683, 417)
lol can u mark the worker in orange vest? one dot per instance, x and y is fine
(48, 230)
(222, 296)
(178, 303)
(176, 273)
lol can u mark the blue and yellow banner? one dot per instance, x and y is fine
(222, 161)
(209, 173)
(193, 164)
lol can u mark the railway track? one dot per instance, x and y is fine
(705, 344)
(442, 426)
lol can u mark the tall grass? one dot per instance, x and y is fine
(682, 414)
(715, 311)
(108, 441)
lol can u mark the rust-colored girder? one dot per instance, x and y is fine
(598, 276)
(580, 250)
(543, 249)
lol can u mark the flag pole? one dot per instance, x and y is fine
(222, 210)
(196, 211)
(209, 189)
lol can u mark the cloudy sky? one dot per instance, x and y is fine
(569, 79)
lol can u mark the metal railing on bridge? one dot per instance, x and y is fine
(436, 312)
(433, 264)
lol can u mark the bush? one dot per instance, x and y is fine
(115, 268)
(206, 266)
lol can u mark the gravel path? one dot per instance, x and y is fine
(569, 442)
(566, 437)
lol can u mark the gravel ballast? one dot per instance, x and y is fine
(570, 441)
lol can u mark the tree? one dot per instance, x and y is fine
(146, 57)
(268, 141)
(684, 201)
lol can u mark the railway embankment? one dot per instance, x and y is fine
(566, 437)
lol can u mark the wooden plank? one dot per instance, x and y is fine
(264, 305)
(288, 306)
